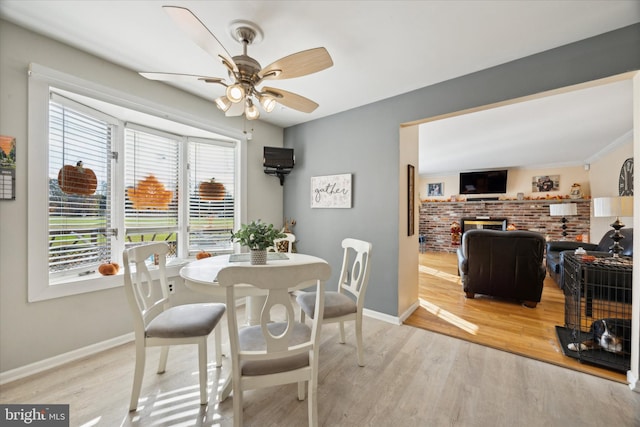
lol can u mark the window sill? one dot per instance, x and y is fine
(173, 268)
(74, 285)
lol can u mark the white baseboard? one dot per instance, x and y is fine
(634, 384)
(395, 320)
(381, 316)
(408, 312)
(61, 359)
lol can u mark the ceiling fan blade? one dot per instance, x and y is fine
(235, 110)
(200, 34)
(291, 100)
(298, 64)
(175, 77)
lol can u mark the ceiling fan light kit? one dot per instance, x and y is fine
(251, 111)
(235, 93)
(244, 71)
(268, 102)
(223, 103)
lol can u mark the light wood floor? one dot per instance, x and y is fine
(499, 324)
(412, 377)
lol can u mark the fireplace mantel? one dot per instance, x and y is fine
(436, 219)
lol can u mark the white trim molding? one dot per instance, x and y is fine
(61, 359)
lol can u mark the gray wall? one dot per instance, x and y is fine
(365, 142)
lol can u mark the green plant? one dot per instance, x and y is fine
(257, 235)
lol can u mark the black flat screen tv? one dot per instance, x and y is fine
(278, 158)
(483, 182)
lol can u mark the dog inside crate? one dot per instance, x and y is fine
(598, 314)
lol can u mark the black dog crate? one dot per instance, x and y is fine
(597, 289)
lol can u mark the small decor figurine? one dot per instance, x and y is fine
(202, 254)
(456, 231)
(576, 191)
(108, 268)
(283, 246)
(257, 236)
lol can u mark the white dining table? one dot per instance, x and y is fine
(201, 275)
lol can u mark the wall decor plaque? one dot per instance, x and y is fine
(331, 191)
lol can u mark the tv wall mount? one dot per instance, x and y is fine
(279, 172)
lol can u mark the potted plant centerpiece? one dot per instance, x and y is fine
(257, 236)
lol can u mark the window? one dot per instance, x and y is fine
(79, 189)
(98, 182)
(211, 196)
(151, 187)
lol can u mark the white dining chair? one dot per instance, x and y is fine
(278, 243)
(274, 352)
(347, 302)
(156, 322)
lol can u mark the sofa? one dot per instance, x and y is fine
(504, 264)
(555, 249)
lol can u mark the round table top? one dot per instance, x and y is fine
(201, 275)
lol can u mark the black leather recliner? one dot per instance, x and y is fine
(555, 248)
(505, 264)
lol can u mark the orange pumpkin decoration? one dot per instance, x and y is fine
(77, 180)
(150, 194)
(202, 254)
(108, 269)
(211, 190)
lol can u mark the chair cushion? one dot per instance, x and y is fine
(183, 321)
(335, 304)
(251, 339)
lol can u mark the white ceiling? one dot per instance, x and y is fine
(379, 48)
(567, 129)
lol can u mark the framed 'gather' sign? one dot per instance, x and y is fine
(331, 191)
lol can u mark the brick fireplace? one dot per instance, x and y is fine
(436, 219)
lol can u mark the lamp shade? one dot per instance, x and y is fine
(563, 209)
(223, 103)
(613, 206)
(235, 93)
(267, 102)
(250, 111)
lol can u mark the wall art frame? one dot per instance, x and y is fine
(435, 189)
(331, 191)
(7, 167)
(411, 199)
(544, 183)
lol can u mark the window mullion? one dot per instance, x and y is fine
(118, 170)
(183, 202)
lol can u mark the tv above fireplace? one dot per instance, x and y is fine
(483, 182)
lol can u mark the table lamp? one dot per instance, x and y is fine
(564, 210)
(614, 207)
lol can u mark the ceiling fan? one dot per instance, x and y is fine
(244, 71)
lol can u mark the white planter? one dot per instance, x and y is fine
(258, 256)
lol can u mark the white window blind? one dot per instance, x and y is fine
(72, 232)
(79, 193)
(211, 195)
(151, 186)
